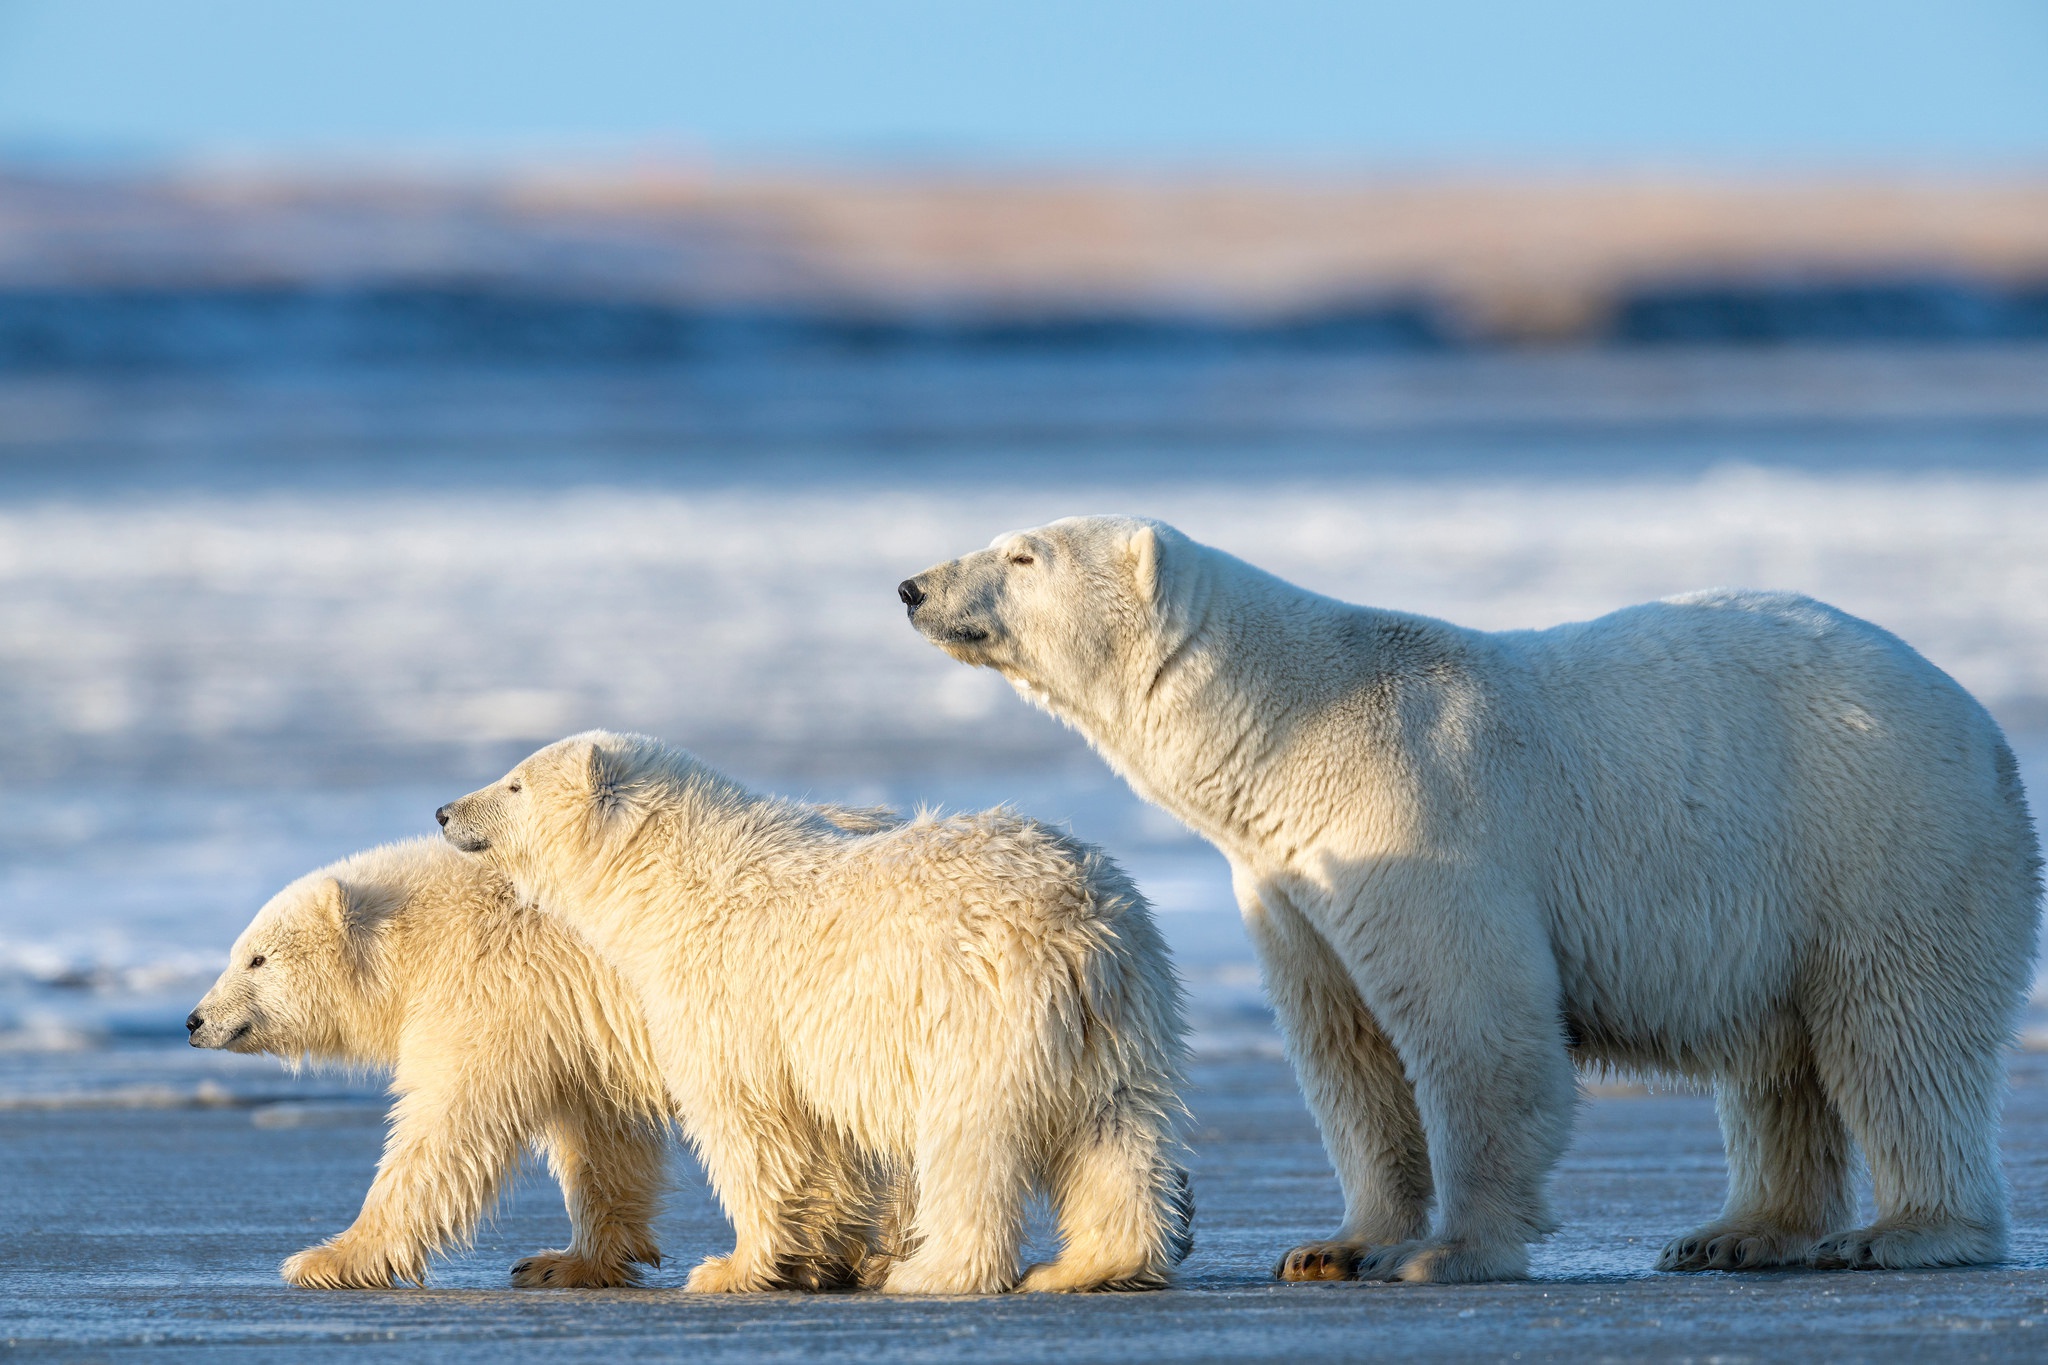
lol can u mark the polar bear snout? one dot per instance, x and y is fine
(458, 827)
(935, 625)
(951, 607)
(205, 1027)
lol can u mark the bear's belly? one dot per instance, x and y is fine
(1677, 994)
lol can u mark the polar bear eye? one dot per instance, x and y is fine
(257, 961)
(512, 786)
(1022, 559)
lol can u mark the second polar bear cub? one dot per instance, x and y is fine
(501, 1029)
(958, 1011)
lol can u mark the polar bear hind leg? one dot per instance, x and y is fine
(1125, 1214)
(611, 1169)
(1789, 1165)
(968, 1228)
(1925, 1112)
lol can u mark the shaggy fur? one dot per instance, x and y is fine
(949, 1014)
(500, 1027)
(1734, 836)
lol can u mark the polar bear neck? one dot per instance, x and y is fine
(700, 840)
(1209, 728)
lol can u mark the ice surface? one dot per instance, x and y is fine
(216, 682)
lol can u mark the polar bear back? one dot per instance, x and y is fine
(1765, 781)
(988, 946)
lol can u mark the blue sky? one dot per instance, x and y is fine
(1932, 82)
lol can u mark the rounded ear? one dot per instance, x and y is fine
(332, 898)
(1142, 549)
(354, 909)
(605, 771)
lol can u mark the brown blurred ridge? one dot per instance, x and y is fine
(1537, 259)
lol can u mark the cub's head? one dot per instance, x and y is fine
(558, 808)
(1070, 613)
(296, 975)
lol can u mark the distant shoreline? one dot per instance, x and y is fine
(663, 264)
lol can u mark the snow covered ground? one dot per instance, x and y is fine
(215, 683)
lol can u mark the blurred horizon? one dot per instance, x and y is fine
(229, 182)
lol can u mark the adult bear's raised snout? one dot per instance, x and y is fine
(458, 832)
(910, 593)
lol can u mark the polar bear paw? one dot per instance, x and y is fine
(335, 1266)
(1720, 1246)
(1073, 1277)
(1321, 1261)
(561, 1270)
(718, 1275)
(1908, 1246)
(917, 1275)
(1445, 1262)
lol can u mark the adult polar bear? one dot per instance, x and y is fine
(1737, 836)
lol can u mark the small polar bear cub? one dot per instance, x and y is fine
(1738, 836)
(961, 1011)
(501, 1029)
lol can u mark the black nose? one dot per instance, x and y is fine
(441, 816)
(910, 593)
(193, 1022)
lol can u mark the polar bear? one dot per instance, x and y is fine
(501, 1028)
(962, 1010)
(1735, 836)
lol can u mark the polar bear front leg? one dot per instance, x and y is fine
(1466, 988)
(443, 1160)
(1355, 1086)
(757, 1161)
(611, 1166)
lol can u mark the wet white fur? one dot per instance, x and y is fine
(1737, 836)
(500, 1029)
(950, 1013)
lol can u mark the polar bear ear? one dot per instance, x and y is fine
(353, 909)
(332, 899)
(1143, 551)
(604, 771)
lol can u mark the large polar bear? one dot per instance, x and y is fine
(957, 1010)
(1738, 836)
(501, 1028)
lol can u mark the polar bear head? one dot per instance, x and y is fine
(299, 977)
(548, 821)
(1076, 614)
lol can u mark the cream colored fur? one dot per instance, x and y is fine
(951, 1014)
(500, 1028)
(1735, 836)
